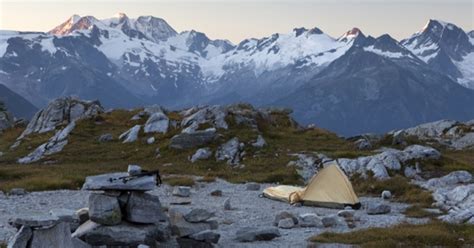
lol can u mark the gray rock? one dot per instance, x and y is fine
(56, 236)
(17, 191)
(150, 140)
(133, 170)
(190, 140)
(253, 186)
(346, 213)
(287, 223)
(227, 204)
(419, 152)
(6, 120)
(198, 215)
(410, 172)
(112, 181)
(182, 191)
(386, 194)
(201, 154)
(378, 208)
(230, 152)
(130, 135)
(125, 234)
(54, 145)
(310, 220)
(104, 209)
(214, 115)
(329, 221)
(61, 111)
(106, 137)
(144, 208)
(466, 141)
(250, 234)
(183, 228)
(157, 123)
(206, 236)
(452, 179)
(83, 215)
(34, 220)
(260, 142)
(21, 238)
(306, 166)
(284, 215)
(363, 144)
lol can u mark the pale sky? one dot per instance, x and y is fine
(237, 20)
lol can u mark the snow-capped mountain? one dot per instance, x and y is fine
(127, 62)
(447, 48)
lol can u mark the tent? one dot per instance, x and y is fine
(328, 188)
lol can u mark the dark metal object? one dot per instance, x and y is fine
(144, 173)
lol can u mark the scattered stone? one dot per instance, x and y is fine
(216, 192)
(201, 154)
(111, 181)
(56, 236)
(329, 221)
(17, 191)
(198, 215)
(378, 208)
(180, 201)
(227, 205)
(150, 140)
(104, 209)
(157, 123)
(346, 213)
(287, 223)
(250, 234)
(182, 191)
(190, 140)
(107, 137)
(260, 142)
(144, 208)
(214, 115)
(21, 238)
(386, 195)
(284, 215)
(131, 135)
(253, 186)
(310, 220)
(183, 228)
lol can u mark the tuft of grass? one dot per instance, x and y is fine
(179, 181)
(416, 211)
(405, 235)
(207, 179)
(400, 187)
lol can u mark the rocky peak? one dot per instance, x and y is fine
(350, 35)
(75, 22)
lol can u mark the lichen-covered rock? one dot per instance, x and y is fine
(201, 154)
(230, 152)
(157, 123)
(194, 139)
(54, 145)
(61, 111)
(130, 135)
(213, 115)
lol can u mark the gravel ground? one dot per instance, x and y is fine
(249, 210)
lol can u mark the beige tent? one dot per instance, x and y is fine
(328, 188)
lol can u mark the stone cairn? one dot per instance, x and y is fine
(120, 214)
